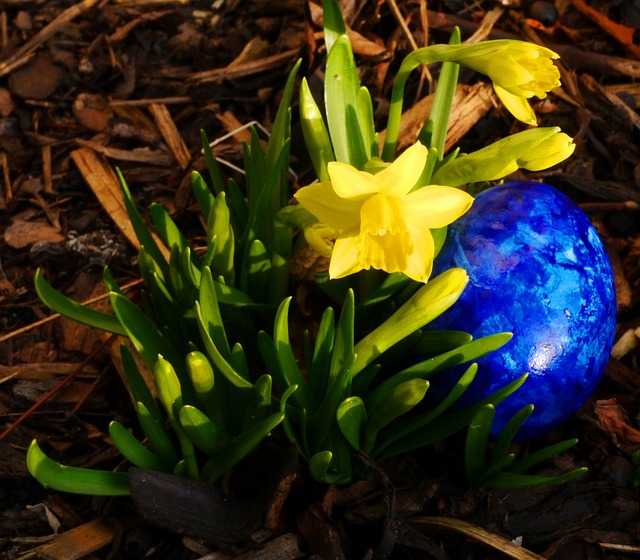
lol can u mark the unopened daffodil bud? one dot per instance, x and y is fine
(534, 149)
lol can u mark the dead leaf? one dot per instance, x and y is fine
(613, 419)
(23, 233)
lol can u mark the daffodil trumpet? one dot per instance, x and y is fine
(380, 220)
(519, 70)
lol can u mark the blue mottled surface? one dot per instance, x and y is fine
(536, 268)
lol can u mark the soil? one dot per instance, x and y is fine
(93, 84)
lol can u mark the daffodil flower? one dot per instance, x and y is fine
(534, 149)
(380, 220)
(518, 70)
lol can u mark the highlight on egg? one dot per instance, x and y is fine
(537, 268)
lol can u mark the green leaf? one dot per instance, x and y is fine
(136, 453)
(155, 432)
(144, 334)
(75, 480)
(258, 271)
(202, 192)
(426, 304)
(140, 228)
(137, 383)
(536, 457)
(322, 353)
(435, 342)
(259, 401)
(279, 142)
(351, 416)
(217, 180)
(239, 447)
(509, 431)
(210, 313)
(215, 355)
(199, 428)
(220, 236)
(399, 401)
(60, 303)
(516, 480)
(367, 124)
(463, 354)
(405, 428)
(167, 228)
(477, 441)
(314, 131)
(333, 23)
(287, 360)
(341, 102)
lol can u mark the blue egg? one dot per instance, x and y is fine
(537, 268)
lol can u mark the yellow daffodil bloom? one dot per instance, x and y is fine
(381, 222)
(519, 71)
(534, 149)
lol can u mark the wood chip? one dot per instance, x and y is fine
(170, 133)
(80, 541)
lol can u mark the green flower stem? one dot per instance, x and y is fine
(443, 100)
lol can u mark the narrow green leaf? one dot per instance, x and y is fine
(136, 453)
(333, 22)
(141, 230)
(202, 192)
(159, 440)
(547, 452)
(137, 383)
(341, 102)
(258, 271)
(167, 228)
(351, 416)
(516, 480)
(477, 440)
(399, 401)
(74, 480)
(315, 133)
(215, 355)
(60, 303)
(322, 353)
(508, 433)
(239, 447)
(287, 360)
(210, 313)
(217, 180)
(144, 334)
(199, 428)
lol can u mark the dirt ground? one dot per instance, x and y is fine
(94, 84)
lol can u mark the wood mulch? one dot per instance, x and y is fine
(86, 86)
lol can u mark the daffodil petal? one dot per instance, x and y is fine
(420, 261)
(344, 258)
(518, 106)
(435, 206)
(322, 201)
(400, 177)
(350, 183)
